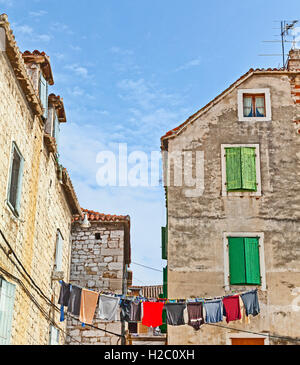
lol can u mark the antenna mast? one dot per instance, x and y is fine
(285, 27)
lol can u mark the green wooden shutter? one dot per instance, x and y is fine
(233, 168)
(165, 282)
(248, 167)
(237, 270)
(44, 94)
(164, 242)
(7, 298)
(252, 260)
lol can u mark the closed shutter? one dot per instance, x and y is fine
(252, 260)
(237, 270)
(165, 282)
(44, 95)
(7, 298)
(248, 167)
(233, 168)
(59, 251)
(164, 240)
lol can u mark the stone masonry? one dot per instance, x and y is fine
(100, 257)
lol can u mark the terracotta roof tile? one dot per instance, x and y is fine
(96, 216)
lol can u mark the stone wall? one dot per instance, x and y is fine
(43, 210)
(97, 264)
(196, 225)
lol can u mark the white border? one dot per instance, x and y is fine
(224, 177)
(268, 116)
(227, 285)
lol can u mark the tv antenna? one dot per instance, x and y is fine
(286, 28)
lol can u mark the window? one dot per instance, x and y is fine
(240, 170)
(54, 336)
(59, 251)
(244, 262)
(254, 105)
(43, 92)
(15, 180)
(244, 267)
(7, 298)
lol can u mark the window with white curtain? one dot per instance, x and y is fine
(254, 105)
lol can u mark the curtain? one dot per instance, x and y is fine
(260, 106)
(248, 112)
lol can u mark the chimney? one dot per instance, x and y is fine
(294, 60)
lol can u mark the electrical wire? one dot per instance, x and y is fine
(255, 333)
(40, 290)
(147, 267)
(92, 326)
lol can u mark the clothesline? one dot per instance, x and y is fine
(83, 302)
(141, 297)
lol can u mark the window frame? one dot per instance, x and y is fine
(7, 302)
(58, 262)
(54, 332)
(15, 209)
(227, 285)
(226, 193)
(268, 113)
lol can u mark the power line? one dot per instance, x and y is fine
(147, 267)
(255, 333)
(40, 290)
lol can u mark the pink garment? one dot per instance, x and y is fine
(88, 305)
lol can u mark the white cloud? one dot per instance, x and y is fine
(77, 69)
(193, 63)
(38, 13)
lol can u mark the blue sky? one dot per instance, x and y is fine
(129, 71)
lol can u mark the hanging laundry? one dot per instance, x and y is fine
(108, 307)
(152, 314)
(75, 300)
(125, 306)
(214, 311)
(244, 317)
(195, 315)
(232, 309)
(64, 295)
(88, 305)
(251, 303)
(175, 313)
(136, 312)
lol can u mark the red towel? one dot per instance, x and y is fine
(232, 308)
(152, 314)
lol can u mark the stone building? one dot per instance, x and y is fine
(233, 225)
(37, 198)
(101, 255)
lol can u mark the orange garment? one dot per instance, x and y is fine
(88, 305)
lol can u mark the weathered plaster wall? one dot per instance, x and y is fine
(97, 264)
(196, 225)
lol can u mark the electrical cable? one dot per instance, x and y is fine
(148, 267)
(68, 314)
(255, 333)
(40, 290)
